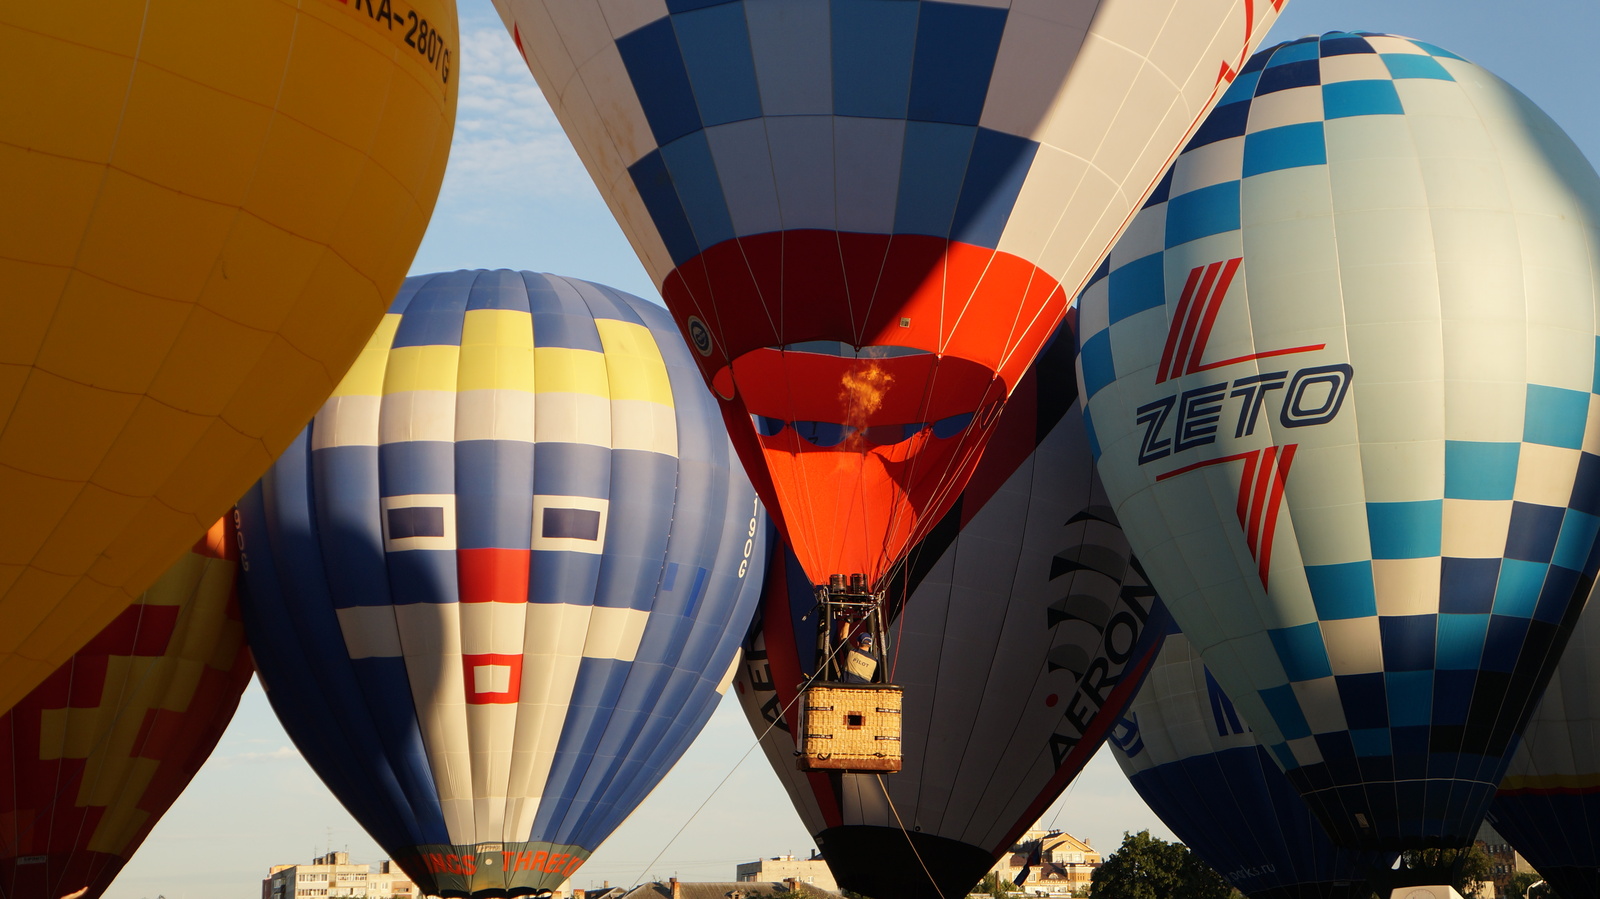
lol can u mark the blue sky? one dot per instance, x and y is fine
(516, 196)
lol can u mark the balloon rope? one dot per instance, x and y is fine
(888, 799)
(751, 748)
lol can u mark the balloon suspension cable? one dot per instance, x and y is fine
(902, 824)
(800, 693)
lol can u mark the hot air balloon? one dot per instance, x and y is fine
(515, 552)
(867, 217)
(1548, 806)
(1021, 630)
(1338, 377)
(1201, 770)
(207, 207)
(100, 750)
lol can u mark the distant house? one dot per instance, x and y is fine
(676, 889)
(811, 871)
(1063, 865)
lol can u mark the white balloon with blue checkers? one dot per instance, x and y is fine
(1341, 386)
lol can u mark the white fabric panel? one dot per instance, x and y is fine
(614, 633)
(572, 418)
(790, 42)
(411, 415)
(492, 627)
(802, 163)
(495, 415)
(744, 168)
(643, 425)
(867, 171)
(489, 733)
(370, 632)
(551, 652)
(430, 635)
(346, 421)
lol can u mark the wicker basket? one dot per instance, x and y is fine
(851, 728)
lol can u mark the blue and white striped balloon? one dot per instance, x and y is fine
(1341, 376)
(499, 584)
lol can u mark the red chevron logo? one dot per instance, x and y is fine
(1191, 326)
(1260, 496)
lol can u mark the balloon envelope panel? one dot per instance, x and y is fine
(100, 750)
(1339, 376)
(1548, 806)
(498, 585)
(1201, 770)
(207, 208)
(1021, 629)
(868, 217)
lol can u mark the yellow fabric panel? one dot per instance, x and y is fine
(496, 350)
(421, 368)
(561, 370)
(208, 207)
(634, 363)
(365, 377)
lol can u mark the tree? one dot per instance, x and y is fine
(1145, 867)
(1518, 887)
(1461, 868)
(994, 885)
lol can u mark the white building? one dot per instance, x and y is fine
(332, 876)
(813, 871)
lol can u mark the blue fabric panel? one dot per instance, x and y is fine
(1284, 707)
(1461, 641)
(1290, 146)
(1534, 531)
(1484, 471)
(1557, 595)
(1295, 51)
(1202, 213)
(1372, 741)
(1554, 416)
(643, 488)
(1159, 195)
(1137, 286)
(1223, 123)
(1344, 99)
(1467, 585)
(931, 173)
(423, 575)
(344, 483)
(408, 289)
(1301, 651)
(1345, 46)
(660, 80)
(660, 196)
(1098, 367)
(677, 6)
(1452, 695)
(715, 47)
(995, 174)
(1104, 271)
(572, 469)
(1094, 439)
(874, 44)
(694, 176)
(1364, 698)
(1437, 51)
(956, 49)
(1518, 590)
(416, 466)
(1502, 646)
(499, 289)
(604, 303)
(593, 704)
(1410, 696)
(561, 317)
(1408, 642)
(1410, 65)
(494, 494)
(1295, 74)
(434, 316)
(1342, 591)
(791, 44)
(1577, 539)
(1405, 530)
(1242, 90)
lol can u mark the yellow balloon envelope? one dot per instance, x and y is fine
(205, 208)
